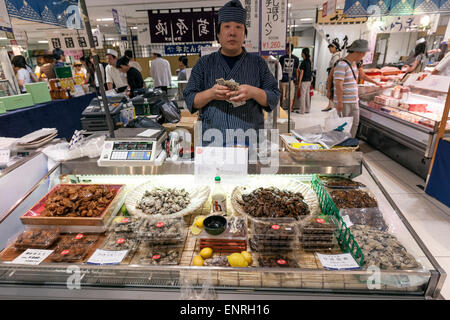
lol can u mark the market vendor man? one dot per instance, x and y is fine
(258, 89)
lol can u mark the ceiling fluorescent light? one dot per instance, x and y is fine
(306, 19)
(43, 41)
(105, 19)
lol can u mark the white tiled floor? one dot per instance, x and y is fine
(429, 217)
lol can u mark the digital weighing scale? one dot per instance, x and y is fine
(132, 151)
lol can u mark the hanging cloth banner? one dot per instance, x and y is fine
(5, 23)
(160, 25)
(253, 24)
(426, 6)
(355, 8)
(378, 7)
(61, 13)
(444, 6)
(182, 27)
(401, 7)
(203, 26)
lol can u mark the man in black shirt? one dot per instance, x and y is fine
(134, 77)
(284, 83)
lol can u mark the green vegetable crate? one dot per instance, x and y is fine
(345, 239)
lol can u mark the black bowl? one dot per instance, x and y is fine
(215, 225)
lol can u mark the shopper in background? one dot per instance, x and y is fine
(114, 78)
(304, 81)
(345, 78)
(183, 64)
(284, 85)
(335, 56)
(134, 77)
(79, 71)
(416, 63)
(60, 58)
(132, 62)
(160, 72)
(24, 73)
(47, 69)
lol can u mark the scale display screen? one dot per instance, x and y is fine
(123, 150)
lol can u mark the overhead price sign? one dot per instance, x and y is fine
(73, 40)
(329, 8)
(273, 27)
(252, 22)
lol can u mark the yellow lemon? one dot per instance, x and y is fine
(195, 230)
(206, 253)
(247, 256)
(197, 261)
(198, 221)
(237, 260)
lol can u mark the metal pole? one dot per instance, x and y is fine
(132, 44)
(87, 25)
(289, 77)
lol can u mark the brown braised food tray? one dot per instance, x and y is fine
(73, 204)
(340, 182)
(36, 238)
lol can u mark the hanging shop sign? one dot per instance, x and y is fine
(143, 35)
(252, 42)
(329, 8)
(5, 23)
(183, 49)
(72, 40)
(273, 27)
(339, 18)
(120, 22)
(21, 38)
(426, 6)
(59, 13)
(181, 27)
(404, 23)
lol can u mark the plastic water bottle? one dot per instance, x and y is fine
(146, 107)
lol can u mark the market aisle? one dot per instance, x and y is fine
(429, 217)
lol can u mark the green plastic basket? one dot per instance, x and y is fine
(343, 235)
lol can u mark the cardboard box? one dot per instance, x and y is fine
(39, 92)
(17, 102)
(187, 123)
(187, 114)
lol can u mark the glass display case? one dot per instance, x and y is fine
(6, 89)
(298, 274)
(402, 122)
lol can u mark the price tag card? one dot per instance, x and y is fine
(107, 257)
(224, 162)
(343, 261)
(4, 156)
(347, 221)
(32, 256)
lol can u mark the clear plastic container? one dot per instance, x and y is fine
(365, 216)
(78, 238)
(160, 255)
(125, 224)
(162, 230)
(271, 246)
(334, 182)
(71, 253)
(320, 246)
(320, 225)
(37, 238)
(278, 261)
(120, 241)
(274, 229)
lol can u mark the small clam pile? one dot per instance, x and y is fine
(274, 203)
(164, 201)
(382, 249)
(353, 199)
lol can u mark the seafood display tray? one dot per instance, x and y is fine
(33, 216)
